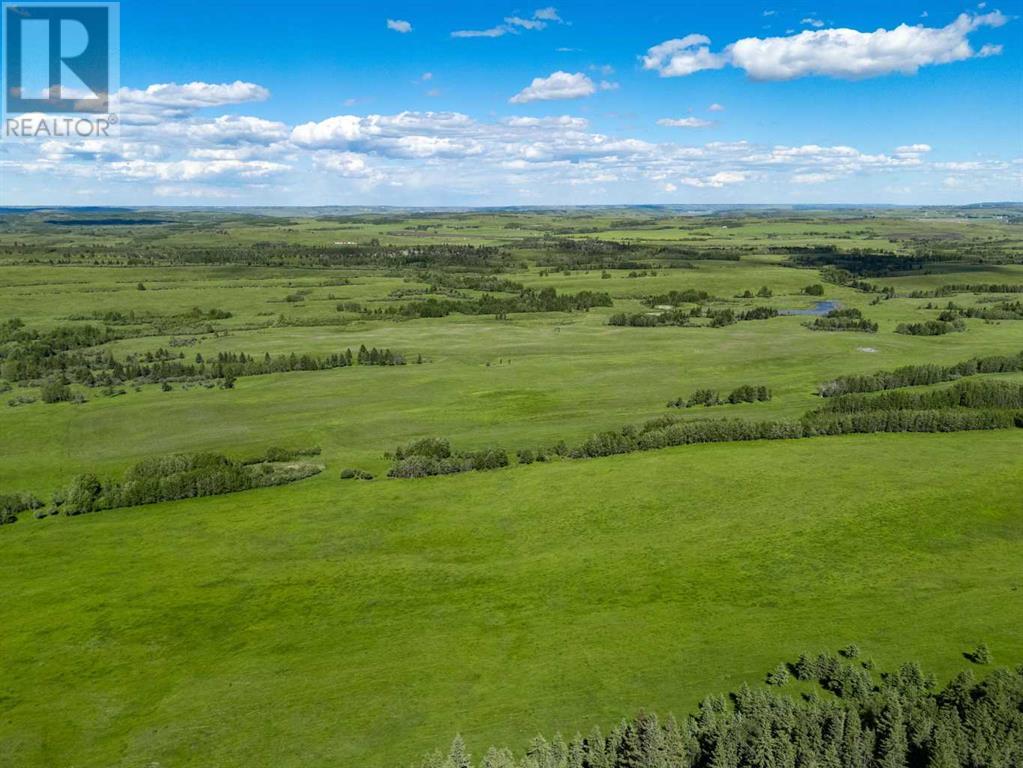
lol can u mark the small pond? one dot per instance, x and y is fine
(820, 308)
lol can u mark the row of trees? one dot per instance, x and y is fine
(857, 261)
(101, 368)
(917, 375)
(854, 719)
(746, 393)
(932, 327)
(458, 281)
(528, 300)
(674, 298)
(953, 288)
(666, 432)
(433, 456)
(757, 313)
(1004, 310)
(850, 319)
(683, 317)
(674, 317)
(182, 476)
(163, 322)
(968, 393)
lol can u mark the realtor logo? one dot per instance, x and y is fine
(59, 59)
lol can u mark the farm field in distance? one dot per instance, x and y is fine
(302, 487)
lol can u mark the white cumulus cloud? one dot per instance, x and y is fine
(557, 85)
(683, 56)
(840, 52)
(399, 25)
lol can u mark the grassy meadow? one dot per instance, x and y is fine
(342, 622)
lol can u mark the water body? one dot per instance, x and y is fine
(820, 308)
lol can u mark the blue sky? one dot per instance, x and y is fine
(577, 103)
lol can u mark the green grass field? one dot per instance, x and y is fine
(336, 622)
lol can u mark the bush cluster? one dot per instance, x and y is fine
(276, 454)
(674, 298)
(850, 319)
(931, 327)
(13, 504)
(1003, 310)
(433, 456)
(747, 393)
(676, 317)
(355, 474)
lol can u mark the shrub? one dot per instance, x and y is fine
(719, 318)
(851, 651)
(779, 676)
(12, 504)
(758, 313)
(428, 447)
(433, 456)
(981, 654)
(850, 319)
(54, 391)
(355, 474)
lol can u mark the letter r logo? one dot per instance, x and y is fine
(56, 58)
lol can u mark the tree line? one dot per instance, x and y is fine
(951, 289)
(433, 456)
(674, 298)
(917, 375)
(850, 319)
(968, 393)
(746, 393)
(719, 318)
(851, 719)
(100, 368)
(181, 476)
(667, 432)
(528, 300)
(857, 261)
(932, 327)
(667, 317)
(1004, 310)
(280, 254)
(966, 406)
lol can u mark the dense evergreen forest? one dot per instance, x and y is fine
(842, 716)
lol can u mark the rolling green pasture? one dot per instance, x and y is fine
(353, 623)
(362, 624)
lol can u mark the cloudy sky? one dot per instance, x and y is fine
(312, 103)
